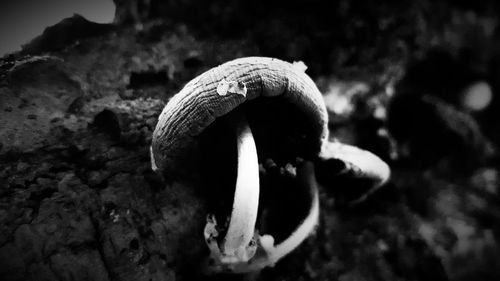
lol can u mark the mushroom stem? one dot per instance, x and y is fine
(246, 197)
(267, 253)
(305, 174)
(276, 252)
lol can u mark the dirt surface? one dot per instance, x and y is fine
(79, 201)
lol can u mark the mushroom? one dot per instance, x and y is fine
(274, 111)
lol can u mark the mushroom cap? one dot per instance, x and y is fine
(200, 103)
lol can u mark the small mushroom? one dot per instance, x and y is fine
(275, 111)
(343, 164)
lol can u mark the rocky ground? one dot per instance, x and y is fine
(78, 199)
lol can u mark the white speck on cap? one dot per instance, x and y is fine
(233, 87)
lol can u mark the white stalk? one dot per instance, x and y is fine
(246, 197)
(275, 253)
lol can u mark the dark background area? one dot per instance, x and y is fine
(79, 102)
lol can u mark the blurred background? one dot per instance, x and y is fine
(82, 83)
